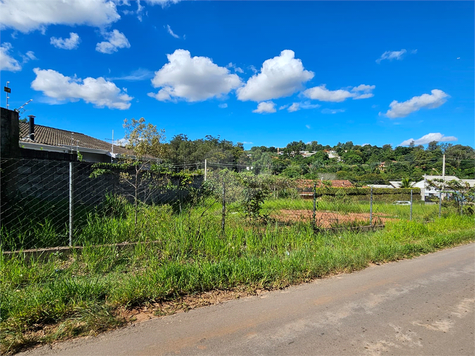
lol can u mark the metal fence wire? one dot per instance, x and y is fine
(46, 203)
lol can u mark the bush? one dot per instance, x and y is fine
(255, 192)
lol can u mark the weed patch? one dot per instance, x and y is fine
(59, 297)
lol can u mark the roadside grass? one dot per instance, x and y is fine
(60, 296)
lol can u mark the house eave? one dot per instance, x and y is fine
(63, 149)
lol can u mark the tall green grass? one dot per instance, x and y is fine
(113, 221)
(69, 295)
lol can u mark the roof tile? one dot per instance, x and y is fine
(56, 137)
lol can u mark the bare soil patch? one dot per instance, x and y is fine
(328, 219)
(184, 304)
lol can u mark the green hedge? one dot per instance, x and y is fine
(366, 191)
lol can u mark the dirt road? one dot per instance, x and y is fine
(423, 306)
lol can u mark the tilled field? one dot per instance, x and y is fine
(328, 219)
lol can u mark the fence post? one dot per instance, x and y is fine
(70, 203)
(440, 203)
(410, 217)
(314, 204)
(206, 165)
(223, 213)
(371, 208)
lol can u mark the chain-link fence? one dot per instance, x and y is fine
(56, 203)
(47, 203)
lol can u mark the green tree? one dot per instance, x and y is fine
(145, 140)
(146, 143)
(293, 148)
(405, 183)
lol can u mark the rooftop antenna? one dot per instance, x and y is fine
(21, 107)
(7, 90)
(112, 144)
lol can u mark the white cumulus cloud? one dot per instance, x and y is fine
(390, 55)
(26, 16)
(66, 43)
(321, 93)
(427, 101)
(429, 138)
(99, 92)
(121, 142)
(192, 78)
(115, 40)
(265, 107)
(7, 62)
(279, 77)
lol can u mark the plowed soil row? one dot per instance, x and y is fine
(327, 219)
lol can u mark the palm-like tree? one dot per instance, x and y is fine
(406, 183)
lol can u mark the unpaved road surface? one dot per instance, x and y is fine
(423, 306)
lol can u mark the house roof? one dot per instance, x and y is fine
(387, 186)
(56, 137)
(445, 178)
(397, 184)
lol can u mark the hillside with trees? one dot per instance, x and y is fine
(361, 164)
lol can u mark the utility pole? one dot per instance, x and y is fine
(371, 208)
(7, 90)
(206, 164)
(443, 172)
(443, 167)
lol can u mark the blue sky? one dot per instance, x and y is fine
(262, 73)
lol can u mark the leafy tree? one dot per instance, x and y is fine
(456, 154)
(293, 171)
(145, 140)
(293, 148)
(352, 157)
(139, 172)
(255, 192)
(313, 146)
(181, 150)
(457, 191)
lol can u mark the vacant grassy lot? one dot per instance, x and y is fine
(61, 296)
